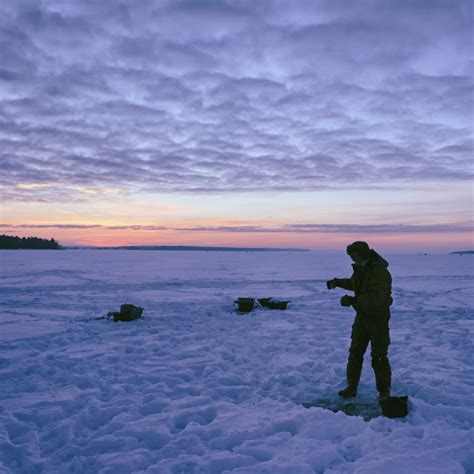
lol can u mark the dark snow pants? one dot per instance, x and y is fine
(376, 331)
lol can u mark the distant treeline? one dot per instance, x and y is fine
(202, 249)
(13, 242)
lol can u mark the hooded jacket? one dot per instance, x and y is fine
(372, 285)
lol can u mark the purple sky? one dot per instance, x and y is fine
(180, 101)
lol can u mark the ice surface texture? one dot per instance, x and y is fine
(193, 388)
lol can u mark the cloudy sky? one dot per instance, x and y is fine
(239, 122)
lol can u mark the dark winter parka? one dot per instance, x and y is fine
(372, 285)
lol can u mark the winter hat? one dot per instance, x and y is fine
(362, 248)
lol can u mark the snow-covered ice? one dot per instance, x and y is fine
(195, 388)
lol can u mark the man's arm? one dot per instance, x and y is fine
(345, 283)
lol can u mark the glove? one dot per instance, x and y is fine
(347, 300)
(331, 284)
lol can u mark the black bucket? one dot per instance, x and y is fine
(245, 305)
(394, 407)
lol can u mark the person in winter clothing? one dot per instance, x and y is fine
(371, 283)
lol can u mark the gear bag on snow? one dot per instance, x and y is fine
(246, 305)
(128, 312)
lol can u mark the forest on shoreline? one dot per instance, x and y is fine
(9, 242)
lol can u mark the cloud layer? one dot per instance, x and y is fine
(251, 229)
(220, 96)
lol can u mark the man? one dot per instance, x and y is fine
(372, 285)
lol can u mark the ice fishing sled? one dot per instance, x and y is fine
(246, 305)
(128, 312)
(273, 304)
(392, 407)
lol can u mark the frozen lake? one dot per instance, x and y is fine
(195, 388)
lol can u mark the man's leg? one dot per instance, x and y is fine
(380, 340)
(359, 343)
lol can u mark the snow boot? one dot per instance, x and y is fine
(349, 392)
